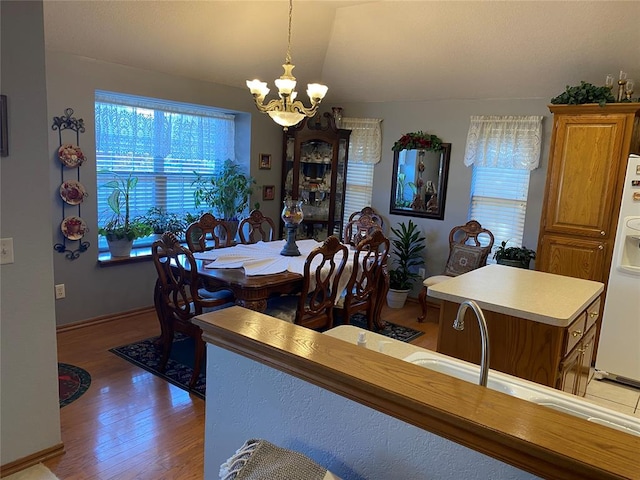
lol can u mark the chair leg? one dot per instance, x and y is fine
(197, 362)
(422, 299)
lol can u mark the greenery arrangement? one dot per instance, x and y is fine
(584, 93)
(417, 141)
(408, 245)
(519, 254)
(226, 192)
(162, 221)
(120, 225)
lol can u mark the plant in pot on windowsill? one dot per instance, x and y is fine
(162, 221)
(227, 192)
(514, 256)
(408, 245)
(120, 229)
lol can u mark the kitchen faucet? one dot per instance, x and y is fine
(458, 324)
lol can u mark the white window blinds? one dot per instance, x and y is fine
(162, 143)
(365, 150)
(502, 151)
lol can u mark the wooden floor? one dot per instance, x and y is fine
(131, 424)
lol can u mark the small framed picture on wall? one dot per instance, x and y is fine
(265, 161)
(268, 192)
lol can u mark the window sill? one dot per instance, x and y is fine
(137, 255)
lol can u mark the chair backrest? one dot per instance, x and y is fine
(177, 285)
(256, 227)
(322, 271)
(469, 248)
(364, 286)
(359, 228)
(368, 211)
(208, 233)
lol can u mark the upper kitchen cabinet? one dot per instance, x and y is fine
(587, 163)
(314, 171)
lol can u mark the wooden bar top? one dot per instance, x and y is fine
(537, 439)
(538, 296)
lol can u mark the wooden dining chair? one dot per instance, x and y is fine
(313, 307)
(368, 211)
(364, 291)
(359, 228)
(177, 298)
(256, 227)
(208, 233)
(469, 248)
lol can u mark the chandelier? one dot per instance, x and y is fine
(287, 111)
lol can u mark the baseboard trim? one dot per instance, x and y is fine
(31, 460)
(103, 319)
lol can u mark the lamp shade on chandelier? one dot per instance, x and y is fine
(287, 111)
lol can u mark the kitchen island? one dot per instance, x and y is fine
(364, 414)
(542, 327)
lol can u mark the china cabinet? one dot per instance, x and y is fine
(314, 171)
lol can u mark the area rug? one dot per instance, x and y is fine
(72, 383)
(391, 330)
(146, 354)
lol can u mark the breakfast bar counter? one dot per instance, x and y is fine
(542, 327)
(363, 414)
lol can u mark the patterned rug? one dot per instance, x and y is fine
(146, 354)
(72, 383)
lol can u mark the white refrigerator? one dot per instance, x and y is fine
(618, 355)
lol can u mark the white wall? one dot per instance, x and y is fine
(353, 441)
(30, 416)
(450, 120)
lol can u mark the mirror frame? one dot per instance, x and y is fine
(441, 188)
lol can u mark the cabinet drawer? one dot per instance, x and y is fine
(574, 332)
(593, 311)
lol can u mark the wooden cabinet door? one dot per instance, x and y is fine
(584, 372)
(584, 165)
(570, 372)
(573, 257)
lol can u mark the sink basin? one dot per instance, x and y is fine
(530, 391)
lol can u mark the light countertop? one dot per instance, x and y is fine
(529, 294)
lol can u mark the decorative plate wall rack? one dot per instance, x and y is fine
(72, 192)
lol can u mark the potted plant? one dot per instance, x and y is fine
(514, 256)
(227, 192)
(120, 229)
(162, 221)
(408, 245)
(584, 93)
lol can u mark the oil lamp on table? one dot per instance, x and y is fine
(292, 216)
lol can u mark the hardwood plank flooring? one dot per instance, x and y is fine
(131, 424)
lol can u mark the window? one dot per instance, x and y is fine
(502, 151)
(161, 143)
(364, 152)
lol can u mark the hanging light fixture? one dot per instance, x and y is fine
(287, 111)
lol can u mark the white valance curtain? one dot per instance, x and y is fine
(365, 143)
(504, 142)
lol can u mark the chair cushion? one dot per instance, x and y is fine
(430, 281)
(463, 259)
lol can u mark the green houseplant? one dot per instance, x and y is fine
(120, 229)
(226, 192)
(408, 245)
(584, 93)
(514, 256)
(162, 221)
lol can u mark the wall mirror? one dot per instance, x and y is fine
(419, 182)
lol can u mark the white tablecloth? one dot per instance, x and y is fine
(263, 258)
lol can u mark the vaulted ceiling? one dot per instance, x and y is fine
(369, 51)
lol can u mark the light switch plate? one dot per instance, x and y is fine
(6, 250)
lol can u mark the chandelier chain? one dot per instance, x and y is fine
(288, 57)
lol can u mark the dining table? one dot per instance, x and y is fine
(255, 272)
